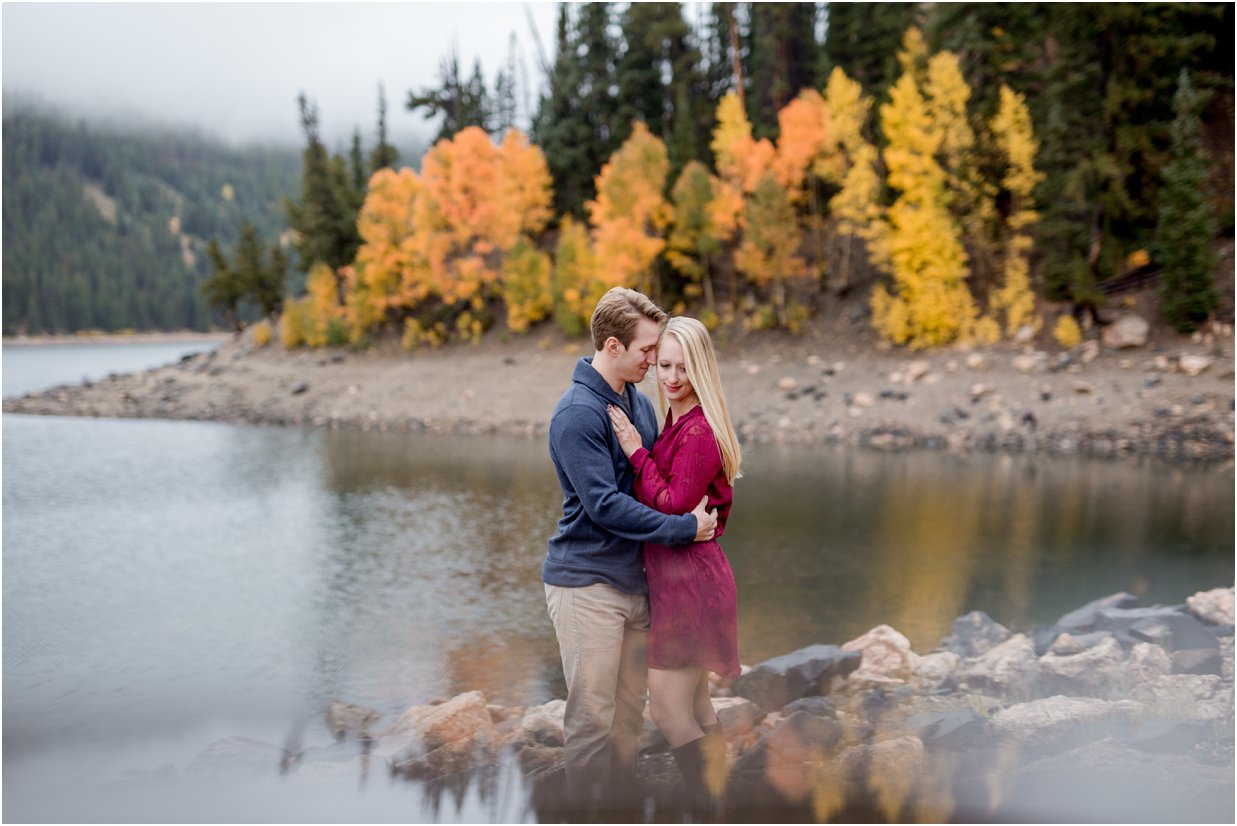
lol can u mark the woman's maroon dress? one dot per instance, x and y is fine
(692, 599)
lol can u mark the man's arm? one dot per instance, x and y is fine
(579, 437)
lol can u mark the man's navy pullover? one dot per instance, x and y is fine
(603, 528)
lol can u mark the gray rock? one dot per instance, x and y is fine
(1168, 627)
(543, 724)
(1164, 736)
(1010, 668)
(738, 715)
(1213, 607)
(975, 634)
(934, 670)
(346, 720)
(1198, 661)
(238, 760)
(949, 730)
(1128, 331)
(1147, 662)
(299, 388)
(816, 706)
(1086, 671)
(808, 672)
(1067, 643)
(1186, 697)
(1084, 618)
(1055, 723)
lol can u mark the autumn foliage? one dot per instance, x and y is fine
(447, 249)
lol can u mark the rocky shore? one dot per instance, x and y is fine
(1115, 713)
(1171, 399)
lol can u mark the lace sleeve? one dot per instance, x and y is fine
(695, 463)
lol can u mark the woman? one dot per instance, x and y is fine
(692, 601)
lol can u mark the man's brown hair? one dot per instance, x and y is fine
(617, 314)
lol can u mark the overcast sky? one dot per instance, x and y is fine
(235, 69)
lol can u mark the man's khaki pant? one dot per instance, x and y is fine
(602, 637)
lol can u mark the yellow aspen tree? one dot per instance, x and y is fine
(576, 285)
(388, 275)
(316, 319)
(1014, 135)
(972, 199)
(741, 161)
(849, 161)
(769, 253)
(526, 285)
(930, 304)
(699, 231)
(630, 213)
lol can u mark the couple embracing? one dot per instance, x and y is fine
(640, 593)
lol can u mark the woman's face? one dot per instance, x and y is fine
(671, 371)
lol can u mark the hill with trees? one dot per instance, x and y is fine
(106, 228)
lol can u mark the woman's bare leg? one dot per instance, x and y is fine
(702, 704)
(672, 701)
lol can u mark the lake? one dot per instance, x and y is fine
(168, 584)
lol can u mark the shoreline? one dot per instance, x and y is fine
(1172, 401)
(171, 337)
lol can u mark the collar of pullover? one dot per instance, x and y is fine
(587, 375)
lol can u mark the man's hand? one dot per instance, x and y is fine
(706, 520)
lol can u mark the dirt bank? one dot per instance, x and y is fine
(1172, 397)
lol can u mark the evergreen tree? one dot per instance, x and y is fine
(995, 43)
(325, 216)
(783, 60)
(862, 39)
(223, 288)
(460, 103)
(1186, 222)
(576, 123)
(384, 155)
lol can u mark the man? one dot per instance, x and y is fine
(596, 592)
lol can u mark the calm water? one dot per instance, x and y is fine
(167, 584)
(29, 367)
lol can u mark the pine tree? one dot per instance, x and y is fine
(223, 288)
(1186, 221)
(460, 103)
(862, 39)
(783, 60)
(383, 155)
(325, 216)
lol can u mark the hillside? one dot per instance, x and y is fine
(105, 228)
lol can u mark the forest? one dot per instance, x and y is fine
(970, 172)
(106, 227)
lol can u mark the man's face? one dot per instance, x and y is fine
(640, 355)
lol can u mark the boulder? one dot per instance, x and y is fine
(1193, 365)
(348, 721)
(236, 760)
(1168, 627)
(1128, 331)
(1060, 722)
(888, 770)
(1186, 697)
(1198, 661)
(975, 634)
(738, 715)
(885, 653)
(1077, 669)
(816, 706)
(934, 670)
(1147, 662)
(543, 724)
(1084, 618)
(1213, 607)
(948, 730)
(445, 739)
(1066, 643)
(1011, 668)
(786, 760)
(807, 672)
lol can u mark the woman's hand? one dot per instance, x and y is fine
(628, 437)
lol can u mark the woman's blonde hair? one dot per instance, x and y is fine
(701, 365)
